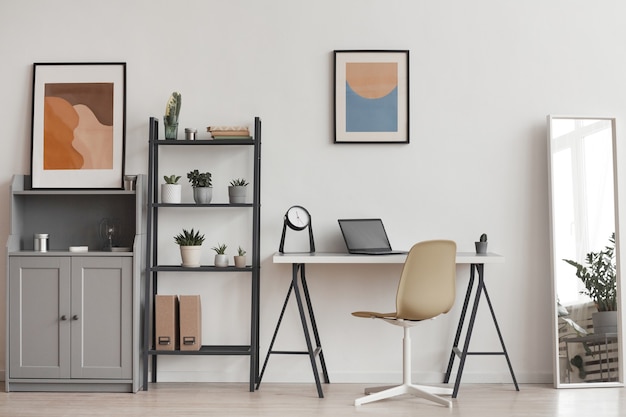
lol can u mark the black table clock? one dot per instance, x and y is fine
(297, 218)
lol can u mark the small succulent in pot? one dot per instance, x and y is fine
(190, 243)
(171, 190)
(240, 258)
(221, 260)
(237, 191)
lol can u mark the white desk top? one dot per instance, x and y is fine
(346, 258)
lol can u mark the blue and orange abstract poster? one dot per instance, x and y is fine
(372, 97)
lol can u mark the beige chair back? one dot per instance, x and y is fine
(427, 284)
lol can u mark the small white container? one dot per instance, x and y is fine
(190, 134)
(41, 242)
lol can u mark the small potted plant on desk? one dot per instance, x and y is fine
(171, 190)
(190, 243)
(600, 281)
(481, 245)
(201, 183)
(237, 191)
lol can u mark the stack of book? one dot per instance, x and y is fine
(229, 132)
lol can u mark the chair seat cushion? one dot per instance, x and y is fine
(374, 315)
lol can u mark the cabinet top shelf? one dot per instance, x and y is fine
(21, 185)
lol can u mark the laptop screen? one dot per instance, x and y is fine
(364, 234)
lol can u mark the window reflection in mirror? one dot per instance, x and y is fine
(583, 221)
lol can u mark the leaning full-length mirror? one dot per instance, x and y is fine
(583, 214)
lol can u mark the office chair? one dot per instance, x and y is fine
(426, 290)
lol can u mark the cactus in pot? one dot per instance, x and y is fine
(170, 120)
(481, 245)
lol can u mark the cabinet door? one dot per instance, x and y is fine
(101, 317)
(39, 317)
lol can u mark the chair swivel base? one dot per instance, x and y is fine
(422, 391)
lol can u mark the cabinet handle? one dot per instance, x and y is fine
(63, 317)
(75, 317)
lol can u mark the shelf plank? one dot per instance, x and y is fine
(201, 268)
(203, 142)
(208, 350)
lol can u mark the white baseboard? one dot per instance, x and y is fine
(359, 378)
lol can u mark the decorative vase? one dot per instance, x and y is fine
(202, 195)
(240, 261)
(237, 194)
(171, 127)
(604, 322)
(481, 247)
(190, 256)
(170, 193)
(221, 260)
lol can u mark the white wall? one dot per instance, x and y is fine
(483, 76)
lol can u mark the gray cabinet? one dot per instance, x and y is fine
(74, 318)
(70, 317)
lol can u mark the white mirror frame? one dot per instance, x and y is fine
(558, 383)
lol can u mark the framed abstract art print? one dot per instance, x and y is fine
(78, 125)
(371, 96)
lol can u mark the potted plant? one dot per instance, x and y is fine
(201, 183)
(170, 120)
(190, 243)
(237, 191)
(600, 280)
(171, 190)
(240, 258)
(221, 259)
(481, 245)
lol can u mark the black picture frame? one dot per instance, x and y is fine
(371, 96)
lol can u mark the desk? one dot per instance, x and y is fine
(298, 262)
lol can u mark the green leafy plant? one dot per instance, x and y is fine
(220, 249)
(599, 276)
(483, 237)
(189, 238)
(172, 179)
(240, 251)
(239, 182)
(199, 179)
(172, 109)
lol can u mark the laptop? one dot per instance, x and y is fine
(366, 236)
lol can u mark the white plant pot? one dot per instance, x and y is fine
(240, 261)
(170, 193)
(221, 260)
(202, 195)
(190, 256)
(237, 194)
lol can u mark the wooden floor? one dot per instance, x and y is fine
(300, 400)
